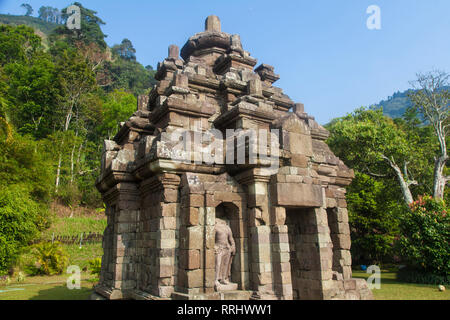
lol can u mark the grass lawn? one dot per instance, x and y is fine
(81, 256)
(47, 288)
(65, 226)
(392, 289)
(54, 288)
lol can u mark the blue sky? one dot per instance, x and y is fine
(323, 51)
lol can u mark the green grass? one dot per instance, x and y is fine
(81, 256)
(65, 226)
(47, 288)
(392, 289)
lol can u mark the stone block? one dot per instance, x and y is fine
(170, 195)
(194, 278)
(195, 237)
(298, 195)
(300, 144)
(169, 209)
(193, 259)
(196, 200)
(299, 160)
(279, 215)
(192, 216)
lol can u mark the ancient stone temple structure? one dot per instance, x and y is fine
(219, 223)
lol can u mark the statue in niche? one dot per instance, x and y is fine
(225, 249)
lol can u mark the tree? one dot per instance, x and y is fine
(372, 208)
(129, 75)
(117, 107)
(28, 8)
(432, 99)
(125, 50)
(90, 30)
(24, 192)
(44, 13)
(18, 44)
(32, 90)
(374, 144)
(77, 82)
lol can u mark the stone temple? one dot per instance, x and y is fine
(219, 223)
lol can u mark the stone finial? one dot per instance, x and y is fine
(299, 108)
(212, 24)
(236, 42)
(254, 87)
(174, 51)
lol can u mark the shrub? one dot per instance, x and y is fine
(21, 277)
(424, 241)
(413, 276)
(372, 220)
(50, 258)
(20, 217)
(95, 266)
(5, 280)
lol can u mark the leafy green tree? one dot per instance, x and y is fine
(373, 144)
(18, 44)
(32, 90)
(50, 14)
(24, 161)
(117, 107)
(125, 50)
(373, 220)
(33, 93)
(26, 176)
(90, 28)
(28, 8)
(129, 75)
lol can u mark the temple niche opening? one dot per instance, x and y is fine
(180, 228)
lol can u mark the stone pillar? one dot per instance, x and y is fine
(118, 277)
(173, 51)
(260, 234)
(161, 205)
(282, 278)
(325, 255)
(195, 268)
(340, 235)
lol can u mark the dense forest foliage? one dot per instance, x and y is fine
(58, 102)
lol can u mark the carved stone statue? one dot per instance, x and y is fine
(225, 249)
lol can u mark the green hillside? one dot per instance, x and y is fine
(36, 23)
(395, 105)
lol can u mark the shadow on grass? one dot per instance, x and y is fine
(384, 279)
(63, 293)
